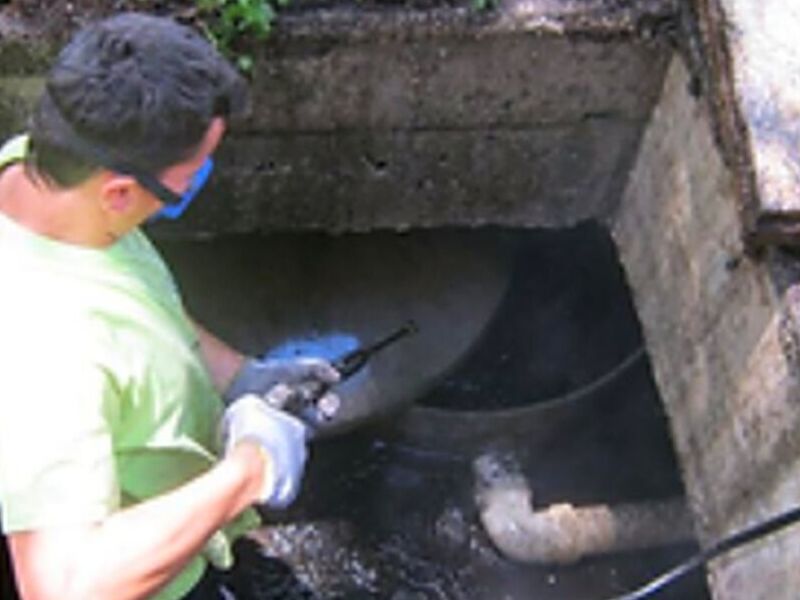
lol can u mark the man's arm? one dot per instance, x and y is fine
(139, 549)
(222, 361)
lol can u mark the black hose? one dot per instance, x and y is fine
(723, 546)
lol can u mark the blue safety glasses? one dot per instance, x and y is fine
(175, 205)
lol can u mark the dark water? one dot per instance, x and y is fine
(378, 520)
(566, 319)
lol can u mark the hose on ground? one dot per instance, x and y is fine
(723, 546)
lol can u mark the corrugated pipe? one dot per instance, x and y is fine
(563, 533)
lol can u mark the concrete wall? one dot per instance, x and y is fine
(425, 119)
(722, 333)
(526, 116)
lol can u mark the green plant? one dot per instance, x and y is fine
(230, 23)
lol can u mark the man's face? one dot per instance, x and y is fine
(128, 203)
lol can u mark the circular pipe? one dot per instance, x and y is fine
(562, 533)
(287, 296)
(462, 431)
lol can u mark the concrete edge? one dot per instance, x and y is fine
(722, 55)
(26, 48)
(597, 20)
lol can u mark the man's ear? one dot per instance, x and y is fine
(118, 193)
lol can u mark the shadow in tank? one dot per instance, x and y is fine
(388, 508)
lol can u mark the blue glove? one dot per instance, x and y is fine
(281, 436)
(258, 376)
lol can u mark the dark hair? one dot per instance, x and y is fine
(139, 89)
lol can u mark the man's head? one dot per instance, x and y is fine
(133, 94)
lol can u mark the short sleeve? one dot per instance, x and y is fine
(56, 450)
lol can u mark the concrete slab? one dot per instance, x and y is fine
(753, 68)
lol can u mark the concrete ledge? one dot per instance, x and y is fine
(455, 82)
(751, 64)
(382, 117)
(356, 181)
(598, 19)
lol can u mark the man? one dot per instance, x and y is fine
(114, 483)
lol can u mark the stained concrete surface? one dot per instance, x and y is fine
(376, 117)
(722, 332)
(415, 130)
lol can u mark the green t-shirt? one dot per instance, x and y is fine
(104, 397)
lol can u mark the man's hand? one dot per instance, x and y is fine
(282, 437)
(260, 376)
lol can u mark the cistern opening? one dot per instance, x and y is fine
(528, 349)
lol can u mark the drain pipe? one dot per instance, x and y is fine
(562, 533)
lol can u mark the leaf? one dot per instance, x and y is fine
(231, 20)
(267, 13)
(245, 62)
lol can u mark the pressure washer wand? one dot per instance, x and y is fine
(352, 362)
(308, 400)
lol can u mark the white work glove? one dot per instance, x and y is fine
(280, 435)
(257, 376)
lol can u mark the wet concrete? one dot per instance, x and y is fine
(408, 526)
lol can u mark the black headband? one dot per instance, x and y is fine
(104, 157)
